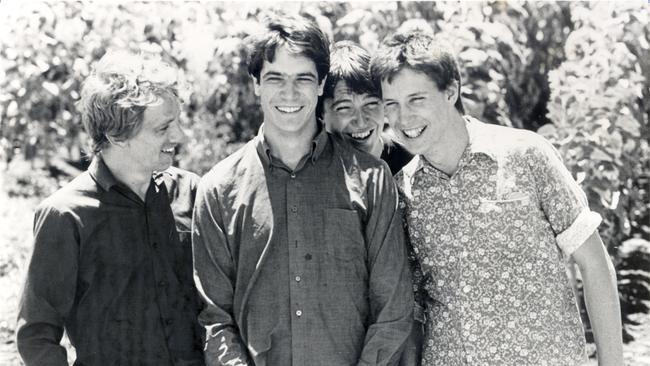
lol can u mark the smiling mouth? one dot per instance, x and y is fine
(287, 109)
(413, 133)
(361, 136)
(169, 151)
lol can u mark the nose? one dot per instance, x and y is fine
(290, 89)
(357, 119)
(403, 115)
(177, 134)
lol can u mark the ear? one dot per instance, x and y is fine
(321, 86)
(452, 91)
(256, 86)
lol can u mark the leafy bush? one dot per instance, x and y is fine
(599, 108)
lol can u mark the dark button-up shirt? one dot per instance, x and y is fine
(115, 272)
(302, 267)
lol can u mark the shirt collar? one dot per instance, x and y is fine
(100, 172)
(317, 145)
(481, 141)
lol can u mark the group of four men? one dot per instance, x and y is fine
(292, 251)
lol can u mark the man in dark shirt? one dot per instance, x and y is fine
(112, 262)
(298, 247)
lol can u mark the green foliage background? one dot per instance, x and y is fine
(576, 72)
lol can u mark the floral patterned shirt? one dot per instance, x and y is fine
(491, 241)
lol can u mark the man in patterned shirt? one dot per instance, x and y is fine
(492, 215)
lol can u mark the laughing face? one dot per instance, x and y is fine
(358, 117)
(152, 148)
(288, 89)
(418, 112)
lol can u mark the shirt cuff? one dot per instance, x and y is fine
(575, 235)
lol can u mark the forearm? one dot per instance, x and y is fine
(601, 299)
(39, 344)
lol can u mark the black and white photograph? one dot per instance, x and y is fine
(325, 183)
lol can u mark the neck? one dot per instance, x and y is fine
(123, 170)
(446, 155)
(290, 147)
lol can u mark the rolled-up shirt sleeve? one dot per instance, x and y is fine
(390, 291)
(562, 199)
(50, 286)
(214, 275)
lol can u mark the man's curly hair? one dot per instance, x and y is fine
(116, 93)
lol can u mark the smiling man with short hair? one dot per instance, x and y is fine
(298, 246)
(492, 215)
(112, 262)
(352, 106)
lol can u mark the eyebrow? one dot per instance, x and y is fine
(276, 73)
(417, 94)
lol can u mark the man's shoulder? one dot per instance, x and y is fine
(351, 156)
(233, 166)
(508, 141)
(80, 192)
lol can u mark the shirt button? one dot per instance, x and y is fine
(293, 175)
(162, 283)
(298, 278)
(299, 312)
(154, 245)
(169, 321)
(308, 256)
(294, 209)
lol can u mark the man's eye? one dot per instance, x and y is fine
(417, 99)
(273, 79)
(372, 105)
(343, 108)
(305, 79)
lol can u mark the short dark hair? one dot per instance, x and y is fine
(419, 52)
(350, 63)
(298, 34)
(114, 96)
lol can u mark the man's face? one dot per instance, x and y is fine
(417, 110)
(358, 117)
(152, 147)
(288, 89)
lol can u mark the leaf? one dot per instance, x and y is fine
(628, 124)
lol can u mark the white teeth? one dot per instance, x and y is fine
(288, 109)
(168, 151)
(361, 135)
(413, 132)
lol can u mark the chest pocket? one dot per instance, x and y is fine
(344, 236)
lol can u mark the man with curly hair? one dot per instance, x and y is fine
(112, 260)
